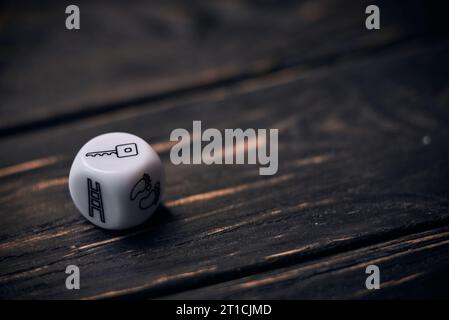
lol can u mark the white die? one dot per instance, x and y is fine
(117, 180)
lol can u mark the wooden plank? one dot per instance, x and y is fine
(149, 51)
(353, 166)
(411, 267)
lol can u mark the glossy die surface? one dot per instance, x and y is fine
(116, 180)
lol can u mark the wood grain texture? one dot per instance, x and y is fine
(127, 55)
(411, 267)
(354, 172)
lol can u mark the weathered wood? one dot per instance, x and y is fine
(411, 267)
(150, 51)
(353, 170)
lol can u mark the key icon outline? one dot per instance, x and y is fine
(121, 151)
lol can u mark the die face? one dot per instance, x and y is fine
(117, 181)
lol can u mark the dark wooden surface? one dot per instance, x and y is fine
(363, 148)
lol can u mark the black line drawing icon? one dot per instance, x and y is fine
(121, 151)
(95, 200)
(150, 194)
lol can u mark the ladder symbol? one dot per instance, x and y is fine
(95, 201)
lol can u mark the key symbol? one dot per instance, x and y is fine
(121, 151)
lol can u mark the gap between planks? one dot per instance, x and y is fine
(255, 71)
(205, 277)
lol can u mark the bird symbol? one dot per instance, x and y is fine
(148, 194)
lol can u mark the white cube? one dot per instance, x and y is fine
(117, 180)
